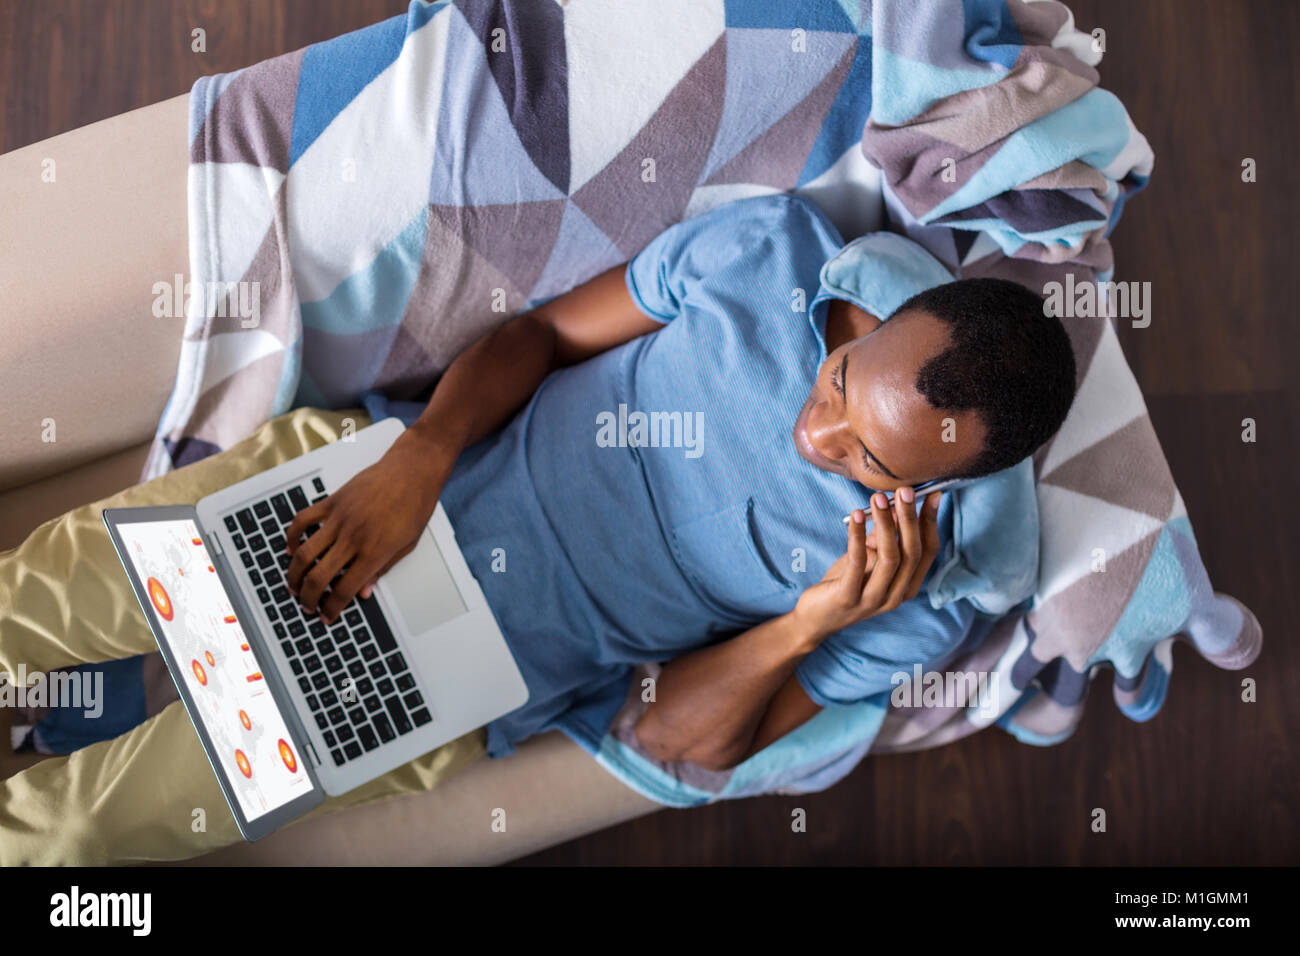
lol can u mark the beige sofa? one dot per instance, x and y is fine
(551, 790)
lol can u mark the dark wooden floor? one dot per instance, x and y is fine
(1210, 779)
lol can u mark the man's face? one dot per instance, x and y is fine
(865, 420)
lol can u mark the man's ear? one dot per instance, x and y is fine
(846, 322)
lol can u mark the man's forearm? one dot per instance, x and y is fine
(498, 374)
(709, 704)
(488, 383)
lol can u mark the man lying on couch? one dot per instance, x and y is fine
(596, 547)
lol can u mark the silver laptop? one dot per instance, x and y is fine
(288, 709)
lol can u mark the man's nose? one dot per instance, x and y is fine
(824, 433)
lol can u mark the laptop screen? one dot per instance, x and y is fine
(249, 736)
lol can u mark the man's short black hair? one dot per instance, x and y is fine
(1008, 360)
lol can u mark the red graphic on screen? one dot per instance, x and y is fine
(197, 540)
(161, 601)
(245, 767)
(286, 754)
(200, 673)
(245, 720)
(212, 661)
(230, 619)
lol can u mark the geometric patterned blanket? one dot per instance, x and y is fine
(399, 191)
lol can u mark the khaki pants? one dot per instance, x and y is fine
(64, 600)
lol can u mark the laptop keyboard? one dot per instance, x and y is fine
(354, 678)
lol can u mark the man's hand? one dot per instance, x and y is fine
(870, 579)
(367, 526)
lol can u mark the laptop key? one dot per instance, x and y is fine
(320, 680)
(357, 669)
(296, 665)
(265, 559)
(332, 663)
(312, 663)
(246, 521)
(264, 596)
(255, 576)
(336, 715)
(337, 756)
(385, 687)
(367, 737)
(345, 732)
(413, 700)
(281, 594)
(400, 720)
(385, 728)
(276, 543)
(256, 542)
(318, 484)
(317, 628)
(247, 559)
(304, 685)
(377, 669)
(421, 717)
(396, 663)
(321, 722)
(239, 541)
(262, 509)
(347, 651)
(405, 682)
(353, 750)
(329, 698)
(357, 716)
(282, 510)
(297, 498)
(280, 630)
(372, 703)
(230, 524)
(378, 625)
(313, 702)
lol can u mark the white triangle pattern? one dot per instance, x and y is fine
(1107, 400)
(1072, 526)
(623, 64)
(365, 215)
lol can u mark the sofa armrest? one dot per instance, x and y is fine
(550, 789)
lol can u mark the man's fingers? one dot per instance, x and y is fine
(364, 574)
(318, 577)
(929, 543)
(313, 514)
(909, 532)
(855, 570)
(887, 556)
(356, 579)
(306, 554)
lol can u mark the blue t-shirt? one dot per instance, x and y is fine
(650, 500)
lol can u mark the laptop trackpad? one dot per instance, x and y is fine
(422, 591)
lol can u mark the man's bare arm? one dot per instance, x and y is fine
(374, 520)
(498, 374)
(718, 705)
